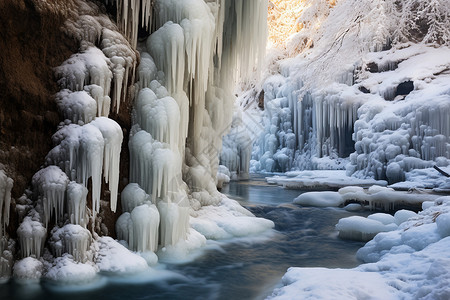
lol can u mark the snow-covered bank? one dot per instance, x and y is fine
(408, 263)
(321, 179)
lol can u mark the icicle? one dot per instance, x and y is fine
(122, 57)
(145, 219)
(6, 185)
(113, 136)
(76, 203)
(31, 237)
(72, 239)
(132, 196)
(166, 46)
(50, 184)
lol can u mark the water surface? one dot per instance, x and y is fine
(246, 268)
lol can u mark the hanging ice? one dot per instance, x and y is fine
(76, 106)
(50, 184)
(72, 239)
(84, 151)
(112, 136)
(76, 203)
(139, 224)
(32, 236)
(6, 185)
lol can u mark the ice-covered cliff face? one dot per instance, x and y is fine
(363, 86)
(183, 104)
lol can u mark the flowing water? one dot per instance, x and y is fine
(246, 268)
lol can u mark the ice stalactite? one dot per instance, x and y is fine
(72, 239)
(112, 136)
(51, 184)
(123, 60)
(185, 92)
(32, 235)
(237, 149)
(90, 66)
(139, 224)
(6, 185)
(300, 126)
(76, 203)
(80, 153)
(6, 253)
(129, 13)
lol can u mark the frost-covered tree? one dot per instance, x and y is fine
(423, 21)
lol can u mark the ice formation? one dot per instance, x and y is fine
(51, 184)
(76, 203)
(6, 185)
(28, 268)
(183, 92)
(362, 229)
(339, 92)
(183, 106)
(72, 239)
(32, 236)
(237, 148)
(113, 257)
(374, 198)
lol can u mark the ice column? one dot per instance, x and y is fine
(51, 183)
(32, 236)
(72, 239)
(6, 185)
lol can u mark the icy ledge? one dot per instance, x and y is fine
(411, 262)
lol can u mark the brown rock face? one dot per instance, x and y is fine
(31, 45)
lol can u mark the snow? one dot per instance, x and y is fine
(65, 270)
(76, 106)
(374, 197)
(329, 179)
(88, 67)
(227, 221)
(114, 258)
(320, 199)
(321, 283)
(28, 268)
(408, 262)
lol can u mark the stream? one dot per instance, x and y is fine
(244, 268)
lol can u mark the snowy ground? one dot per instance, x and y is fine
(407, 259)
(320, 179)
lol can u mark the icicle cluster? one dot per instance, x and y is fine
(32, 236)
(87, 144)
(6, 256)
(6, 185)
(300, 126)
(139, 224)
(237, 148)
(51, 183)
(76, 203)
(184, 90)
(72, 239)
